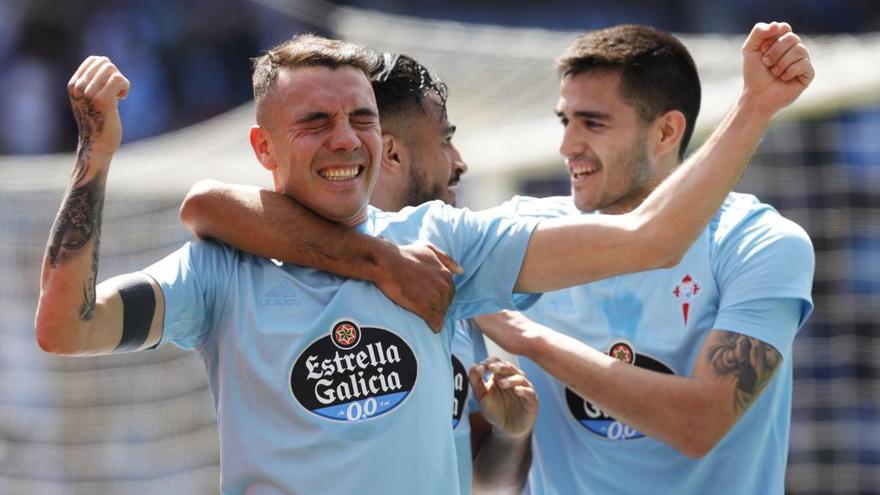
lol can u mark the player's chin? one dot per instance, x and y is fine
(449, 197)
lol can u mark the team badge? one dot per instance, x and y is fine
(346, 334)
(460, 390)
(354, 373)
(621, 351)
(686, 291)
(593, 418)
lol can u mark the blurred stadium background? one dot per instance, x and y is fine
(144, 423)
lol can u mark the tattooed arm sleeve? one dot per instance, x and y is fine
(74, 316)
(746, 361)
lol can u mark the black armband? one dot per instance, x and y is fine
(138, 307)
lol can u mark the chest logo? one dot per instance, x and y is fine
(592, 417)
(354, 373)
(460, 390)
(685, 292)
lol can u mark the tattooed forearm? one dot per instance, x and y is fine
(751, 361)
(90, 123)
(87, 309)
(78, 220)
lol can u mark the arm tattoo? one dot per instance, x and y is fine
(90, 122)
(138, 307)
(751, 361)
(78, 221)
(87, 309)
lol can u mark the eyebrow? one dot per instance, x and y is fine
(586, 114)
(316, 116)
(313, 117)
(364, 112)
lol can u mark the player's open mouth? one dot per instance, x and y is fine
(341, 173)
(578, 171)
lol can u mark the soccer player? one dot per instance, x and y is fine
(311, 371)
(668, 381)
(421, 163)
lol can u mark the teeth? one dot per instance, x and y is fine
(340, 173)
(579, 170)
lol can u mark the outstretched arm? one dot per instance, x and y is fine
(73, 315)
(730, 373)
(418, 277)
(508, 410)
(569, 251)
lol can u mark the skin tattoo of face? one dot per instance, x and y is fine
(79, 220)
(751, 361)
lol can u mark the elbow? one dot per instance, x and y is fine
(55, 337)
(660, 249)
(672, 259)
(196, 204)
(50, 343)
(696, 448)
(702, 437)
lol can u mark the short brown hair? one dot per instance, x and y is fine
(306, 50)
(657, 73)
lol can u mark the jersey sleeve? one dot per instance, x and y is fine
(194, 280)
(764, 270)
(490, 245)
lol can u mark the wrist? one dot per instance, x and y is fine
(535, 344)
(381, 256)
(512, 438)
(749, 107)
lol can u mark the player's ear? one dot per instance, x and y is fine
(668, 130)
(262, 146)
(394, 153)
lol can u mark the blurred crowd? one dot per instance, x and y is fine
(680, 16)
(188, 60)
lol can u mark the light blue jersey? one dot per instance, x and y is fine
(468, 348)
(321, 384)
(749, 272)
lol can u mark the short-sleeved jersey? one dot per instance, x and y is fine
(468, 348)
(750, 272)
(321, 384)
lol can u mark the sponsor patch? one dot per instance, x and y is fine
(354, 373)
(597, 421)
(460, 385)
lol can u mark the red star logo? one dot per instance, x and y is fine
(622, 352)
(346, 334)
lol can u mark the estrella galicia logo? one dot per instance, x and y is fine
(597, 421)
(460, 390)
(354, 373)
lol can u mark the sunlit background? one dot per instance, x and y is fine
(144, 423)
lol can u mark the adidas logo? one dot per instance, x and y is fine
(283, 294)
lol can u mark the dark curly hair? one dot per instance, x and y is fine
(401, 84)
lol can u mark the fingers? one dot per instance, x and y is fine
(98, 77)
(788, 58)
(762, 32)
(475, 376)
(787, 51)
(500, 368)
(505, 376)
(448, 262)
(87, 70)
